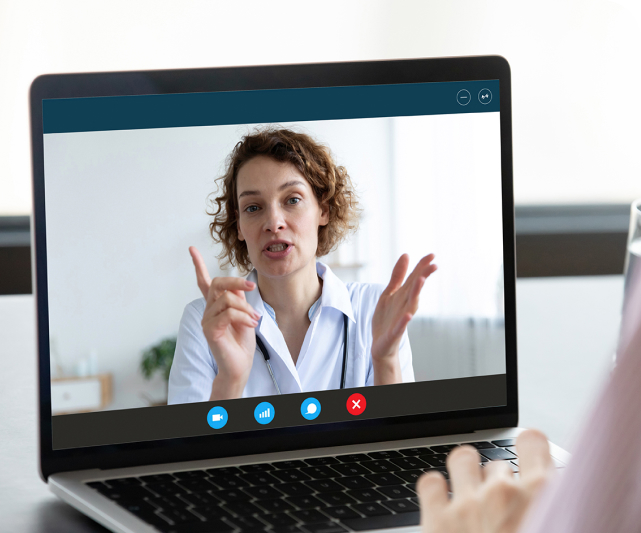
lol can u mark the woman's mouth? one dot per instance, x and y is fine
(278, 250)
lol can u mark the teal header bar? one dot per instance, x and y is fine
(108, 113)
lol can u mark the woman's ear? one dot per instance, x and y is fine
(324, 218)
(240, 233)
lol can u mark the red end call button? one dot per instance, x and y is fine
(356, 404)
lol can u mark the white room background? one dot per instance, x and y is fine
(573, 63)
(124, 206)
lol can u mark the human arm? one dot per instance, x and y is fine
(484, 500)
(228, 326)
(394, 310)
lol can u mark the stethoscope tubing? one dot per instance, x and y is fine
(263, 350)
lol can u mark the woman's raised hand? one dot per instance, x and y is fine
(228, 325)
(395, 308)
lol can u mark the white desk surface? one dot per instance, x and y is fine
(567, 329)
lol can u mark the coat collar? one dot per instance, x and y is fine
(335, 293)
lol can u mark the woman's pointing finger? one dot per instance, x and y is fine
(202, 275)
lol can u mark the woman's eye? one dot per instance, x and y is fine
(250, 209)
(294, 203)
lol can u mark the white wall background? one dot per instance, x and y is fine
(575, 80)
(124, 206)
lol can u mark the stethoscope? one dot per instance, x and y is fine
(263, 350)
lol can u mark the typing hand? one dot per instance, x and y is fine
(484, 500)
(228, 325)
(395, 309)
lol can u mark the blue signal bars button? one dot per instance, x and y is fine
(264, 413)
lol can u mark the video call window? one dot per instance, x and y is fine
(329, 217)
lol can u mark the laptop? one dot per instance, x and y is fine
(128, 171)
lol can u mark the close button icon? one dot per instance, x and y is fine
(356, 404)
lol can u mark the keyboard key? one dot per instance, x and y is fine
(167, 502)
(371, 509)
(388, 454)
(444, 448)
(129, 493)
(409, 476)
(435, 460)
(286, 465)
(504, 443)
(384, 479)
(286, 529)
(247, 523)
(326, 527)
(325, 485)
(197, 485)
(145, 512)
(366, 495)
(212, 512)
(483, 445)
(384, 522)
(191, 474)
(341, 512)
(336, 498)
(355, 482)
(228, 482)
(497, 454)
(180, 516)
(353, 458)
(279, 520)
(322, 461)
(202, 499)
(319, 472)
(351, 469)
(242, 508)
(306, 502)
(230, 495)
(158, 478)
(295, 489)
(262, 467)
(291, 475)
(395, 492)
(275, 506)
(409, 463)
(512, 449)
(124, 482)
(259, 478)
(309, 516)
(401, 506)
(263, 493)
(210, 526)
(224, 470)
(415, 452)
(380, 466)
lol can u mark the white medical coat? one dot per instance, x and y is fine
(320, 360)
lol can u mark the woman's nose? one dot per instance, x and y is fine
(275, 220)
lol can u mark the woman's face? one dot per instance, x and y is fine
(279, 216)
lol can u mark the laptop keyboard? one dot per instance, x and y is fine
(353, 492)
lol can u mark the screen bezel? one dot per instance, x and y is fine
(255, 78)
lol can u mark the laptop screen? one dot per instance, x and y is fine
(226, 262)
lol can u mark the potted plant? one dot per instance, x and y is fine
(158, 359)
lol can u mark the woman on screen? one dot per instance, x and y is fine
(291, 325)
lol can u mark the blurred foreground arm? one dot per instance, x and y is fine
(599, 491)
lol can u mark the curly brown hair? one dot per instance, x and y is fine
(331, 185)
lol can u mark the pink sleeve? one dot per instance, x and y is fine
(600, 490)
